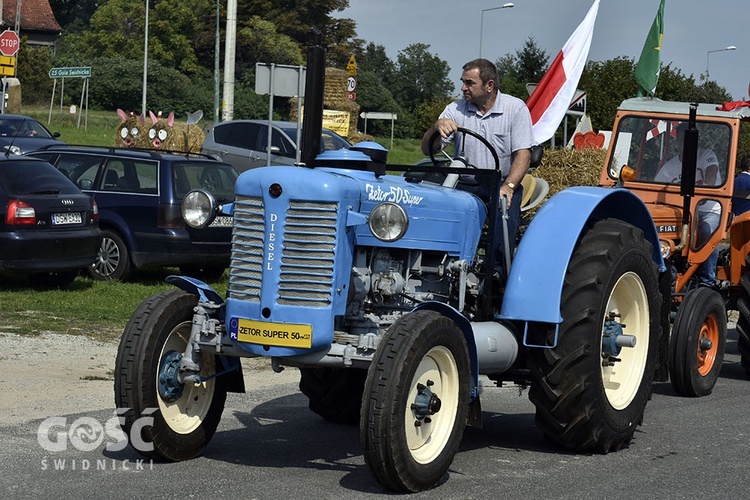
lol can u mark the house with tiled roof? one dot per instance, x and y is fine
(36, 21)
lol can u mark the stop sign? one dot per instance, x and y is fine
(9, 43)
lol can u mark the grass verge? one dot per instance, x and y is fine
(98, 309)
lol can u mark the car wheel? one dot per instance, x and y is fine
(113, 260)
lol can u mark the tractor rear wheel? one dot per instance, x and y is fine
(590, 391)
(334, 393)
(415, 402)
(699, 336)
(743, 322)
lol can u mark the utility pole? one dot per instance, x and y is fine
(230, 41)
(217, 72)
(145, 64)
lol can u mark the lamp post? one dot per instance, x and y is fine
(730, 47)
(145, 64)
(481, 23)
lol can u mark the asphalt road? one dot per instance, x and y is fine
(270, 446)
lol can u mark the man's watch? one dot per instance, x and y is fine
(511, 185)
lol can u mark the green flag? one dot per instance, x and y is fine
(647, 69)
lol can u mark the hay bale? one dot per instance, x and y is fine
(334, 98)
(564, 168)
(157, 133)
(130, 127)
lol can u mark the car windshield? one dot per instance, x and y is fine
(218, 178)
(20, 178)
(652, 148)
(23, 127)
(330, 140)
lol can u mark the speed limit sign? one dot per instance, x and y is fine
(351, 84)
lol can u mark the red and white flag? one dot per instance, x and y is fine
(551, 98)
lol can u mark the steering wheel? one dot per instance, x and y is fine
(462, 156)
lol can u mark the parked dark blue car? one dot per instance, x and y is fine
(139, 194)
(48, 227)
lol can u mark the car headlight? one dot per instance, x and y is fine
(388, 222)
(198, 208)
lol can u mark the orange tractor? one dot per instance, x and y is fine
(680, 159)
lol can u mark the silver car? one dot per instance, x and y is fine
(243, 143)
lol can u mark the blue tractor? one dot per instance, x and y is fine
(384, 291)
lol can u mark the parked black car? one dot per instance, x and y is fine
(139, 193)
(21, 134)
(48, 227)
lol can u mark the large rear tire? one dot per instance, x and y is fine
(334, 394)
(590, 395)
(699, 337)
(743, 322)
(186, 415)
(415, 402)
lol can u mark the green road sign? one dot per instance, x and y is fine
(80, 72)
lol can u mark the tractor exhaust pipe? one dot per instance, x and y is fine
(312, 123)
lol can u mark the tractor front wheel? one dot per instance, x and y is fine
(699, 336)
(415, 402)
(182, 417)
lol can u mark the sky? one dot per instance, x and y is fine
(452, 29)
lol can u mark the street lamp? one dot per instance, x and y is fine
(145, 64)
(730, 47)
(481, 23)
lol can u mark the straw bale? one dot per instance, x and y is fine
(334, 98)
(564, 168)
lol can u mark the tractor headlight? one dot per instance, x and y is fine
(198, 208)
(666, 248)
(388, 222)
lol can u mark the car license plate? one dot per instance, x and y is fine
(275, 334)
(222, 221)
(66, 218)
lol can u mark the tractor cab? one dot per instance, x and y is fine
(646, 156)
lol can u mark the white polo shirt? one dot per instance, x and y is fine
(507, 126)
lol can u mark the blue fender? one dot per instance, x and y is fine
(535, 283)
(465, 326)
(191, 285)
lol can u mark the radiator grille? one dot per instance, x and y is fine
(306, 246)
(246, 264)
(308, 254)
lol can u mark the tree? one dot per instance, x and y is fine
(33, 71)
(375, 60)
(421, 76)
(607, 84)
(117, 29)
(73, 15)
(527, 65)
(296, 18)
(259, 40)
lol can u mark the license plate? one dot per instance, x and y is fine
(275, 334)
(222, 221)
(66, 218)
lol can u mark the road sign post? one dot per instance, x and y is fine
(9, 43)
(71, 72)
